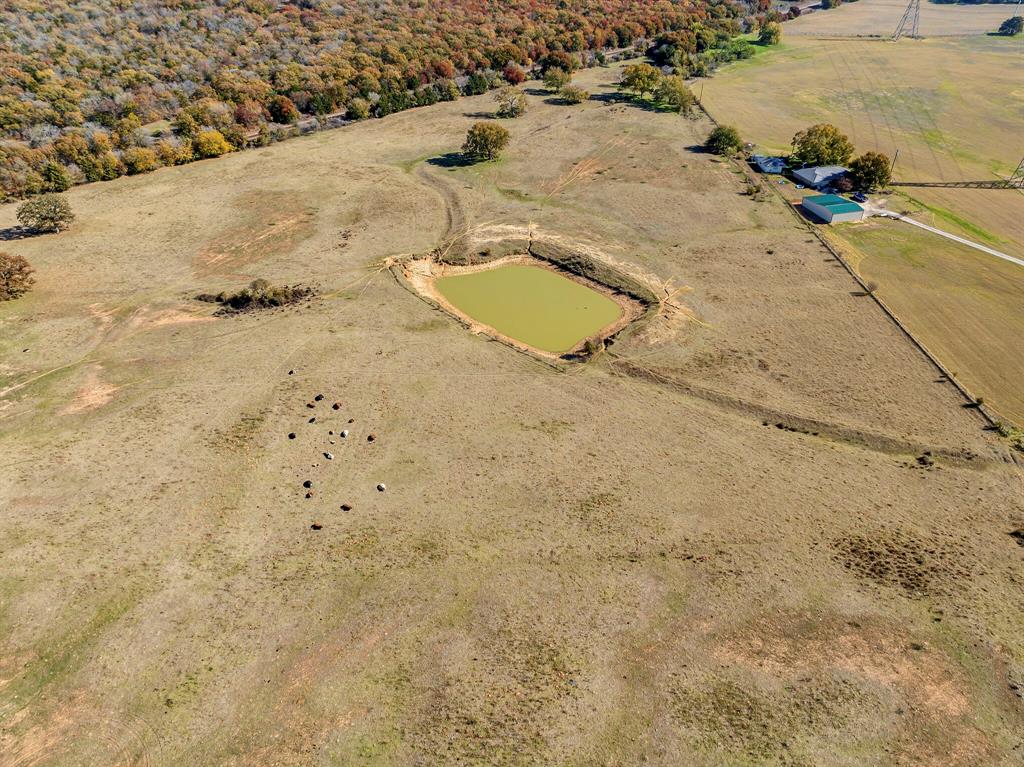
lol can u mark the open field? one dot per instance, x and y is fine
(757, 530)
(880, 17)
(963, 304)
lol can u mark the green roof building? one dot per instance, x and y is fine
(832, 209)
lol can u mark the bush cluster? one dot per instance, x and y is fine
(258, 294)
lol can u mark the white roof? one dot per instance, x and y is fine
(819, 174)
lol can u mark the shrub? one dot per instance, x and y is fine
(56, 177)
(210, 143)
(15, 276)
(484, 141)
(1012, 27)
(870, 171)
(259, 294)
(771, 33)
(511, 102)
(822, 144)
(358, 109)
(724, 140)
(476, 84)
(556, 78)
(47, 213)
(572, 94)
(185, 125)
(140, 160)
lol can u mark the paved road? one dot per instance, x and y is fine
(947, 235)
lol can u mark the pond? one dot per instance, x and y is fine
(536, 306)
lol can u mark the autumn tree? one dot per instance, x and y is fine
(513, 74)
(771, 33)
(15, 276)
(641, 79)
(724, 140)
(511, 102)
(673, 92)
(283, 110)
(484, 141)
(210, 143)
(140, 160)
(870, 171)
(822, 144)
(46, 213)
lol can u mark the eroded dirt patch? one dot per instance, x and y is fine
(810, 682)
(93, 393)
(274, 224)
(921, 566)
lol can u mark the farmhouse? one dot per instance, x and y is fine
(767, 164)
(819, 177)
(832, 209)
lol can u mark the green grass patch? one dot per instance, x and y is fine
(62, 657)
(968, 227)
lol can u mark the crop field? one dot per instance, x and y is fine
(880, 17)
(757, 529)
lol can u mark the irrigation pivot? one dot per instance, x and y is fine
(911, 16)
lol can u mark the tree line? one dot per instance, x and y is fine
(95, 90)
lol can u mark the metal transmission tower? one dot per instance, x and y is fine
(911, 17)
(1016, 181)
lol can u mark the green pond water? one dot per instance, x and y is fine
(530, 304)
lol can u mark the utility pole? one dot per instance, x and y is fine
(894, 158)
(1017, 179)
(911, 17)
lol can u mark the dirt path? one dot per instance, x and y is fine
(455, 216)
(949, 236)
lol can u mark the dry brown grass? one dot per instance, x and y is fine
(558, 556)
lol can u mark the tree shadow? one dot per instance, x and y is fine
(450, 160)
(558, 101)
(479, 115)
(16, 233)
(611, 97)
(536, 91)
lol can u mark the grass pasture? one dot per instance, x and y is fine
(755, 531)
(963, 304)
